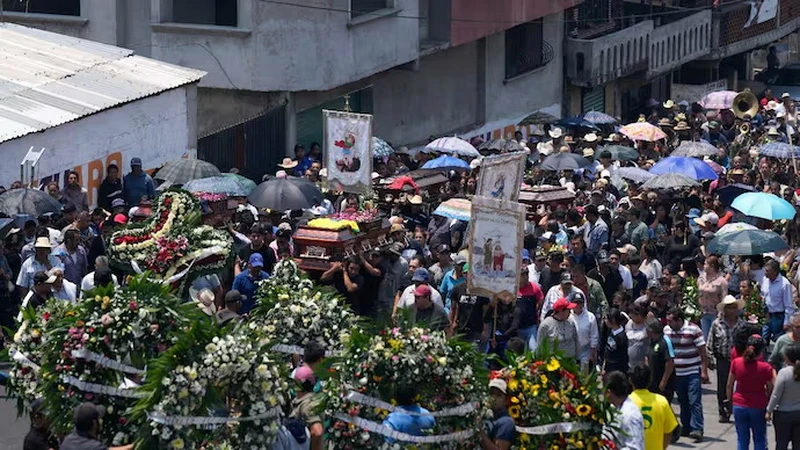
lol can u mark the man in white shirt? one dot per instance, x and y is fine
(87, 283)
(588, 333)
(535, 269)
(777, 294)
(62, 288)
(630, 419)
(406, 298)
(562, 290)
(624, 272)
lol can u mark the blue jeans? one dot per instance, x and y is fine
(748, 419)
(773, 328)
(689, 390)
(529, 336)
(705, 323)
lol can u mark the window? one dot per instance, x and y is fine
(361, 7)
(60, 7)
(525, 48)
(205, 12)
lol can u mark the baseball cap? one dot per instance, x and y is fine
(563, 304)
(136, 161)
(256, 260)
(459, 259)
(693, 213)
(85, 414)
(526, 254)
(52, 275)
(540, 254)
(547, 236)
(628, 249)
(499, 384)
(233, 297)
(120, 219)
(40, 278)
(653, 284)
(117, 203)
(566, 278)
(422, 290)
(396, 227)
(421, 274)
(577, 297)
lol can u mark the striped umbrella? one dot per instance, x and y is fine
(718, 100)
(455, 208)
(217, 185)
(695, 149)
(643, 131)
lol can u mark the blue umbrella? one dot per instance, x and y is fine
(691, 167)
(599, 118)
(576, 122)
(216, 185)
(729, 193)
(446, 162)
(747, 242)
(763, 205)
(779, 150)
(634, 174)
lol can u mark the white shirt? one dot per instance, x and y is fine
(534, 275)
(652, 270)
(777, 295)
(588, 333)
(407, 297)
(87, 283)
(627, 278)
(631, 422)
(68, 291)
(552, 296)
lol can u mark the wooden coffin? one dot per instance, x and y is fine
(318, 248)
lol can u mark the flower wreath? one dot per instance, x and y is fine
(27, 350)
(358, 394)
(172, 244)
(208, 370)
(691, 300)
(99, 353)
(554, 405)
(291, 313)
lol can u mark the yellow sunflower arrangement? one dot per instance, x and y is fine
(554, 404)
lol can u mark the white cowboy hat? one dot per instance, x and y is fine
(204, 299)
(556, 133)
(545, 148)
(415, 200)
(669, 104)
(287, 163)
(588, 152)
(730, 300)
(591, 137)
(475, 163)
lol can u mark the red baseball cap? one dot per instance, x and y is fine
(563, 304)
(422, 290)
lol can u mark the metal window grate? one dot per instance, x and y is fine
(526, 48)
(361, 7)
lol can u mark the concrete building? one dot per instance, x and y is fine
(422, 67)
(89, 105)
(679, 49)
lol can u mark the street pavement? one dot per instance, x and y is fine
(717, 436)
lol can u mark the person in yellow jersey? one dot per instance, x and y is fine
(659, 420)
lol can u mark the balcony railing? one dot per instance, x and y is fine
(679, 42)
(734, 31)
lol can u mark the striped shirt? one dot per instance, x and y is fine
(687, 342)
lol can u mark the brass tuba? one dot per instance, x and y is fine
(745, 104)
(744, 128)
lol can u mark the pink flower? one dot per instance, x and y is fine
(429, 358)
(106, 319)
(395, 358)
(132, 305)
(425, 338)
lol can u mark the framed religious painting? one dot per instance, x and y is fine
(348, 151)
(495, 247)
(501, 176)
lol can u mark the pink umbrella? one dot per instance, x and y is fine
(718, 100)
(643, 131)
(714, 166)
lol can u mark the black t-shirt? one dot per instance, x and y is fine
(267, 253)
(548, 279)
(357, 301)
(657, 357)
(610, 283)
(639, 284)
(405, 282)
(616, 353)
(370, 290)
(39, 440)
(469, 311)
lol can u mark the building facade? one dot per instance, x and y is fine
(422, 67)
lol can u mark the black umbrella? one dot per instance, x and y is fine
(28, 201)
(564, 161)
(184, 170)
(282, 194)
(729, 193)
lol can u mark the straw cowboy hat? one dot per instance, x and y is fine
(669, 104)
(591, 137)
(204, 299)
(568, 139)
(613, 137)
(287, 163)
(556, 133)
(545, 148)
(682, 126)
(588, 152)
(730, 300)
(665, 123)
(42, 242)
(415, 200)
(773, 132)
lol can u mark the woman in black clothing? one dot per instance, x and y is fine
(616, 344)
(680, 245)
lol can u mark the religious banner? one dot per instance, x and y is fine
(495, 246)
(348, 151)
(501, 176)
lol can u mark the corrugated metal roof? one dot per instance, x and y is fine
(47, 79)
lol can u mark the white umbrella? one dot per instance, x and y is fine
(737, 226)
(452, 145)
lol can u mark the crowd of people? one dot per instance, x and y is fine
(603, 277)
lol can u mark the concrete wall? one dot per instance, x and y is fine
(442, 96)
(157, 129)
(97, 22)
(528, 92)
(218, 109)
(290, 48)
